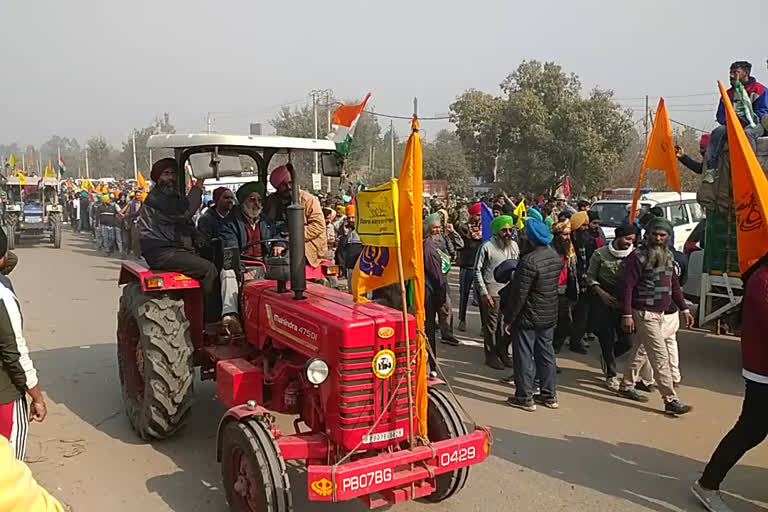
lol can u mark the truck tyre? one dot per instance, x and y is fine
(56, 235)
(252, 469)
(444, 422)
(11, 237)
(154, 354)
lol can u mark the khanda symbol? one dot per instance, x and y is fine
(373, 260)
(749, 215)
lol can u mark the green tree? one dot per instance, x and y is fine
(102, 157)
(444, 159)
(477, 116)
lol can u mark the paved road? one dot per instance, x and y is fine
(596, 453)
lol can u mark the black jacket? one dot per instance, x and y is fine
(233, 234)
(17, 373)
(533, 294)
(166, 219)
(468, 253)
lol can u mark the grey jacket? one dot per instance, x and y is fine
(489, 256)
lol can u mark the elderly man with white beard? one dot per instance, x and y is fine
(648, 287)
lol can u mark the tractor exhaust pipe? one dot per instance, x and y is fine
(296, 240)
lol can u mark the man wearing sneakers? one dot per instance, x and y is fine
(751, 427)
(648, 287)
(530, 316)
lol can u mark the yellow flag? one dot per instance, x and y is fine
(660, 155)
(141, 182)
(12, 161)
(22, 180)
(376, 216)
(49, 172)
(750, 191)
(519, 213)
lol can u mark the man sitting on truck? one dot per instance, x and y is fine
(315, 242)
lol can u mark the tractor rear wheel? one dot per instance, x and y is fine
(253, 471)
(444, 422)
(11, 237)
(154, 354)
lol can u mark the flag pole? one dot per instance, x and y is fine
(135, 166)
(408, 368)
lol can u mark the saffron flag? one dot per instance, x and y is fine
(377, 266)
(520, 212)
(343, 125)
(141, 182)
(376, 216)
(659, 155)
(567, 187)
(750, 191)
(486, 217)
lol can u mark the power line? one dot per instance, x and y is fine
(689, 126)
(408, 118)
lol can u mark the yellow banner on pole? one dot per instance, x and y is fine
(377, 222)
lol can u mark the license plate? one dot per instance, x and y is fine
(383, 436)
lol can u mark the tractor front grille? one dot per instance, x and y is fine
(363, 396)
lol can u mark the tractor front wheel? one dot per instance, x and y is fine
(154, 354)
(253, 471)
(56, 234)
(11, 237)
(444, 422)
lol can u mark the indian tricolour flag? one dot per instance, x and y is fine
(344, 121)
(62, 167)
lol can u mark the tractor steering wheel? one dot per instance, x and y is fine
(258, 242)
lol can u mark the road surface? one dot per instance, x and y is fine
(596, 453)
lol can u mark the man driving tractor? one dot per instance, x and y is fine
(315, 242)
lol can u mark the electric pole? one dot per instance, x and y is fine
(87, 175)
(135, 166)
(392, 145)
(645, 120)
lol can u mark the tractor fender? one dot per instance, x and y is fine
(236, 413)
(168, 281)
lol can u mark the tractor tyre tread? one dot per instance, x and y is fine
(11, 237)
(249, 436)
(168, 368)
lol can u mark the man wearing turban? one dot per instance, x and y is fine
(648, 287)
(315, 241)
(499, 248)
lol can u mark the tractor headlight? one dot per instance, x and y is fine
(317, 371)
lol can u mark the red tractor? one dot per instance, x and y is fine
(307, 350)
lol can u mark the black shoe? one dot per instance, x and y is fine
(451, 340)
(509, 379)
(519, 403)
(463, 326)
(493, 361)
(507, 361)
(632, 394)
(549, 403)
(579, 349)
(676, 408)
(642, 386)
(558, 370)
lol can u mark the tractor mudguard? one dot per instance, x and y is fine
(237, 413)
(151, 281)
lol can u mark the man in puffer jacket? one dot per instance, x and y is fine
(530, 317)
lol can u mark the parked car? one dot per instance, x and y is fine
(684, 213)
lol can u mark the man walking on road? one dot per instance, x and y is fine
(498, 249)
(752, 426)
(18, 376)
(530, 317)
(648, 287)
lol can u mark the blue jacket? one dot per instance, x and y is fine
(233, 234)
(757, 93)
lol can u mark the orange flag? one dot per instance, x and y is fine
(750, 191)
(659, 155)
(141, 182)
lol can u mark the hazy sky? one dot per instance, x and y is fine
(88, 67)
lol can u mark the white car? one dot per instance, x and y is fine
(684, 214)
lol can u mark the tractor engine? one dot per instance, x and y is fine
(339, 365)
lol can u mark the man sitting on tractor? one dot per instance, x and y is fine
(315, 242)
(243, 228)
(166, 231)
